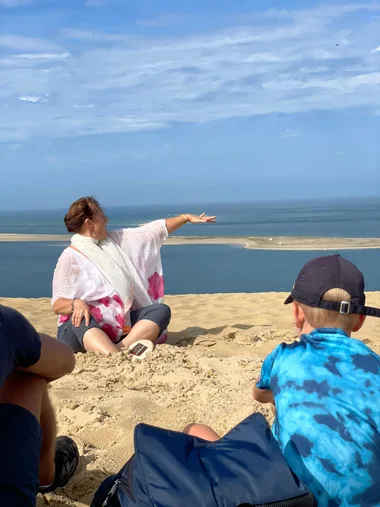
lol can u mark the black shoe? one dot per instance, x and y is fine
(66, 463)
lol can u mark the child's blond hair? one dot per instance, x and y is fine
(319, 317)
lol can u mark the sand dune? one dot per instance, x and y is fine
(205, 374)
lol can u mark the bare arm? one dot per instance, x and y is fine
(62, 306)
(56, 360)
(64, 300)
(262, 395)
(174, 223)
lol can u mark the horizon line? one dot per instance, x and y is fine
(188, 203)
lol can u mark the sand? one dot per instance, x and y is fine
(281, 242)
(249, 242)
(205, 374)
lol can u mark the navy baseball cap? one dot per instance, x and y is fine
(331, 272)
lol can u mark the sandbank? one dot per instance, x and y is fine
(248, 242)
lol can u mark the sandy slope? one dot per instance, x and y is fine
(205, 375)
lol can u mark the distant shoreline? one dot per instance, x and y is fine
(250, 243)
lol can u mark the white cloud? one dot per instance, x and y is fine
(21, 43)
(105, 82)
(93, 36)
(30, 98)
(289, 133)
(376, 50)
(52, 159)
(43, 56)
(14, 147)
(377, 112)
(137, 156)
(162, 21)
(33, 98)
(140, 124)
(83, 106)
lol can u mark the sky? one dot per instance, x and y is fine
(154, 102)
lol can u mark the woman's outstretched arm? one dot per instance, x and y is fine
(172, 224)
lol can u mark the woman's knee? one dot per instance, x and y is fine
(74, 336)
(92, 323)
(96, 340)
(165, 314)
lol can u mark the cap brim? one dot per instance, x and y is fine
(289, 300)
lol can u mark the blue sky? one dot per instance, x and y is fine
(147, 101)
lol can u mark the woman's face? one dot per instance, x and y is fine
(97, 225)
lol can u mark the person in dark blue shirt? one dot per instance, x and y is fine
(326, 388)
(32, 458)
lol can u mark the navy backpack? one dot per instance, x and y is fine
(170, 469)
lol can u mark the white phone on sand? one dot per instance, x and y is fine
(141, 349)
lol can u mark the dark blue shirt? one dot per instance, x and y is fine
(327, 392)
(20, 344)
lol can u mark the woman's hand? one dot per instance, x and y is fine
(81, 310)
(174, 223)
(199, 219)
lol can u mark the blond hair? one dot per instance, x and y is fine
(318, 317)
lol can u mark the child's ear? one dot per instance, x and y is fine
(299, 316)
(359, 323)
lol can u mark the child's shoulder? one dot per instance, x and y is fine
(285, 350)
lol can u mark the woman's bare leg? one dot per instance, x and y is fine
(96, 340)
(143, 330)
(201, 431)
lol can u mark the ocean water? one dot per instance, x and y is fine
(339, 218)
(26, 268)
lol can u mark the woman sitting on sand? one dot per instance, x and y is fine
(108, 287)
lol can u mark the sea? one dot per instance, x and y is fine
(26, 268)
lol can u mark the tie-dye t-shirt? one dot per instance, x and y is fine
(327, 392)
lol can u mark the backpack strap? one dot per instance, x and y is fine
(107, 494)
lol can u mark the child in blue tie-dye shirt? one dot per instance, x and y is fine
(326, 388)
